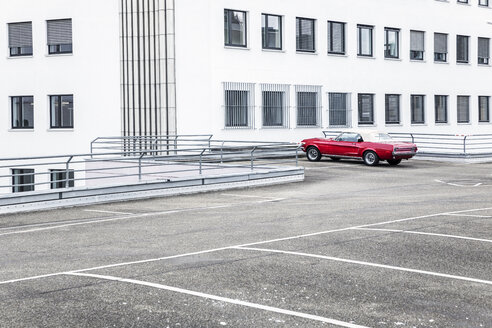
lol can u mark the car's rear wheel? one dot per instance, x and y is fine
(313, 154)
(370, 158)
(394, 162)
(335, 158)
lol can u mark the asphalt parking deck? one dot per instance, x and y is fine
(352, 246)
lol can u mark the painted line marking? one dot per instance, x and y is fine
(109, 212)
(220, 299)
(268, 199)
(376, 265)
(471, 215)
(243, 245)
(458, 185)
(427, 234)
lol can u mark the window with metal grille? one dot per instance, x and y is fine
(235, 28)
(418, 109)
(392, 109)
(483, 109)
(483, 51)
(239, 105)
(22, 180)
(463, 109)
(366, 108)
(58, 178)
(20, 39)
(308, 100)
(391, 43)
(417, 45)
(336, 38)
(339, 111)
(462, 48)
(441, 108)
(59, 36)
(305, 35)
(271, 31)
(364, 36)
(275, 105)
(61, 111)
(483, 3)
(22, 112)
(440, 47)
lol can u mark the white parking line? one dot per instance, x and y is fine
(384, 266)
(243, 245)
(221, 299)
(427, 234)
(270, 199)
(472, 216)
(109, 212)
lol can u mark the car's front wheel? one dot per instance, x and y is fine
(370, 158)
(394, 162)
(313, 154)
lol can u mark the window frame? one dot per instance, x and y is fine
(333, 112)
(60, 97)
(359, 108)
(19, 52)
(445, 60)
(298, 29)
(387, 31)
(330, 38)
(467, 121)
(21, 98)
(360, 27)
(412, 109)
(446, 107)
(421, 52)
(467, 52)
(58, 47)
(483, 60)
(23, 174)
(480, 119)
(228, 42)
(264, 34)
(386, 109)
(483, 5)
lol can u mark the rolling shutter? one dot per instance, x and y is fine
(416, 41)
(59, 32)
(20, 35)
(440, 43)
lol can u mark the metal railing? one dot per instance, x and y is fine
(146, 165)
(442, 145)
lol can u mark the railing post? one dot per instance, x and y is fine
(176, 145)
(464, 145)
(140, 166)
(252, 158)
(222, 153)
(413, 139)
(297, 156)
(201, 156)
(67, 172)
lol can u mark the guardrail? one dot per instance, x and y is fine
(443, 145)
(31, 174)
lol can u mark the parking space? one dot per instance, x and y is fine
(352, 246)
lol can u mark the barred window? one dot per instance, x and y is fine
(366, 108)
(235, 28)
(392, 43)
(441, 108)
(418, 109)
(463, 109)
(308, 99)
(22, 112)
(484, 109)
(462, 48)
(271, 31)
(392, 109)
(339, 110)
(275, 105)
(239, 105)
(22, 180)
(483, 51)
(336, 38)
(440, 47)
(305, 35)
(20, 39)
(58, 178)
(417, 45)
(59, 36)
(364, 35)
(484, 3)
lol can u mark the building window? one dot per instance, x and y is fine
(308, 99)
(239, 105)
(58, 178)
(366, 108)
(483, 109)
(235, 28)
(391, 43)
(305, 35)
(484, 3)
(441, 107)
(418, 109)
(20, 39)
(417, 45)
(336, 38)
(392, 109)
(339, 110)
(483, 51)
(22, 180)
(440, 47)
(271, 31)
(462, 48)
(462, 1)
(364, 36)
(275, 105)
(463, 109)
(61, 111)
(22, 112)
(59, 36)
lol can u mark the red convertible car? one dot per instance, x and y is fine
(370, 146)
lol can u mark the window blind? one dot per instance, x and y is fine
(417, 41)
(440, 43)
(59, 32)
(20, 35)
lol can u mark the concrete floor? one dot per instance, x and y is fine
(406, 246)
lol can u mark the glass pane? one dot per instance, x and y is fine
(67, 111)
(365, 41)
(273, 105)
(307, 108)
(392, 44)
(236, 108)
(238, 28)
(16, 113)
(28, 112)
(55, 111)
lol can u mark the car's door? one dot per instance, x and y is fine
(345, 145)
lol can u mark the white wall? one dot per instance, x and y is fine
(203, 62)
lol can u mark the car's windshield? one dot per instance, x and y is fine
(384, 137)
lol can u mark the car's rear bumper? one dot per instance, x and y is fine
(403, 155)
